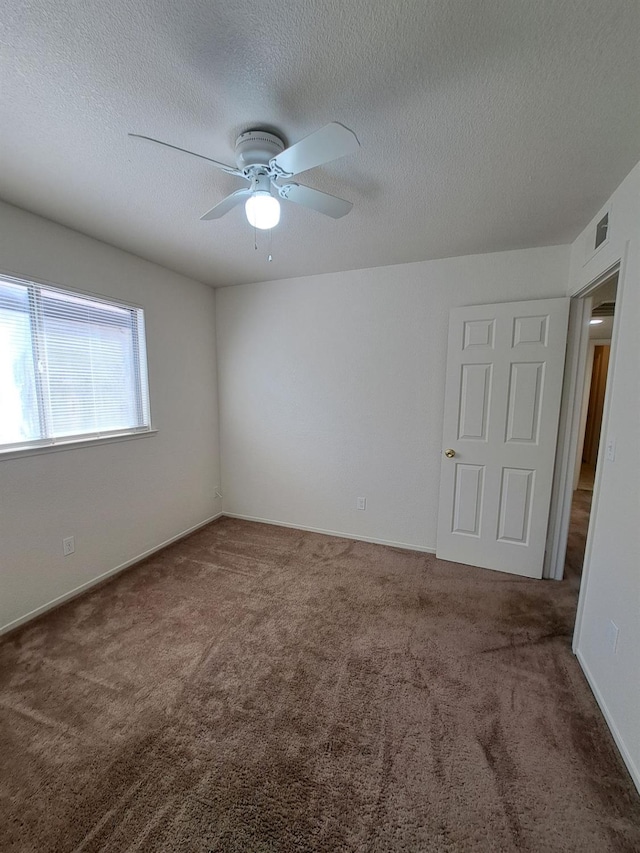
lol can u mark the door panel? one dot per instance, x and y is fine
(530, 330)
(474, 401)
(478, 333)
(505, 366)
(468, 499)
(515, 505)
(525, 392)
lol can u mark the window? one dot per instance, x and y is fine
(72, 366)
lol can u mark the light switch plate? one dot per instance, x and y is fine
(611, 449)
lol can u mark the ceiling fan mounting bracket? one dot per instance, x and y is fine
(259, 177)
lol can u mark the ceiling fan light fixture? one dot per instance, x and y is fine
(263, 210)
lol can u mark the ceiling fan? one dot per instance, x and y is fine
(268, 166)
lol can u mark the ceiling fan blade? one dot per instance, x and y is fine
(230, 169)
(227, 204)
(330, 142)
(330, 205)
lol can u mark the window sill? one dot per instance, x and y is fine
(73, 444)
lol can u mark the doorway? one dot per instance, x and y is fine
(601, 316)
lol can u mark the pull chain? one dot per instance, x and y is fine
(255, 242)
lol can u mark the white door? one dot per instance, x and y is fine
(505, 365)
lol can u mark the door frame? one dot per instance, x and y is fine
(569, 427)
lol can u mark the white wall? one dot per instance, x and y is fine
(332, 387)
(611, 578)
(122, 499)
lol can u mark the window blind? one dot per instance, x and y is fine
(71, 366)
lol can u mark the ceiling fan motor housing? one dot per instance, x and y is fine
(257, 147)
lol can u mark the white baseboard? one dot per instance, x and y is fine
(10, 626)
(622, 748)
(423, 549)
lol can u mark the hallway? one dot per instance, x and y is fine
(578, 528)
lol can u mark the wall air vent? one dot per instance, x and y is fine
(605, 309)
(602, 229)
(598, 235)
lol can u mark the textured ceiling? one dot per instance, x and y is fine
(602, 331)
(484, 126)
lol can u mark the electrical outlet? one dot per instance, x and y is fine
(361, 503)
(68, 546)
(612, 636)
(611, 449)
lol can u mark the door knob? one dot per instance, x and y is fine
(450, 453)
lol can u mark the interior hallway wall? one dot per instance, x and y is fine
(332, 388)
(118, 500)
(610, 591)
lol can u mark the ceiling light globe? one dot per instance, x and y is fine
(594, 322)
(263, 210)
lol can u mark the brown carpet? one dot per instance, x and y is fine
(577, 538)
(255, 688)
